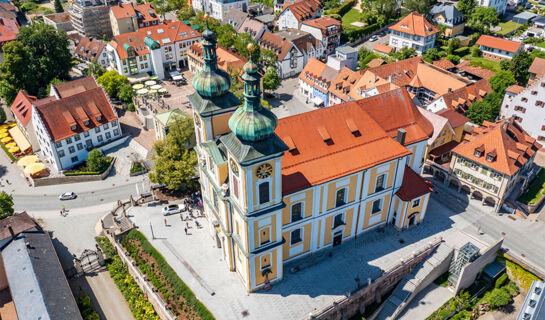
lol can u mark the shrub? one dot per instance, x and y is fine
(96, 161)
(343, 8)
(475, 51)
(7, 152)
(463, 51)
(86, 308)
(512, 288)
(2, 115)
(137, 166)
(106, 246)
(498, 297)
(501, 281)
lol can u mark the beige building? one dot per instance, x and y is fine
(126, 18)
(162, 121)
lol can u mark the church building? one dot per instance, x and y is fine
(277, 190)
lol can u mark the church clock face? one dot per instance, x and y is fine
(234, 167)
(264, 171)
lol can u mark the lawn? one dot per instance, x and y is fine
(484, 63)
(508, 27)
(352, 15)
(535, 191)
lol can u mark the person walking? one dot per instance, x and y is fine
(185, 229)
(187, 225)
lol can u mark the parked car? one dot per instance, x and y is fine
(68, 196)
(373, 38)
(171, 209)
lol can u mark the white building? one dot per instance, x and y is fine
(526, 105)
(294, 14)
(156, 49)
(325, 29)
(500, 5)
(413, 31)
(290, 60)
(218, 8)
(77, 118)
(91, 50)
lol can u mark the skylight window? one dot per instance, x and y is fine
(160, 30)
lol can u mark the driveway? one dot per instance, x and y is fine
(371, 44)
(289, 100)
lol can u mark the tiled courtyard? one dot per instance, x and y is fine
(315, 286)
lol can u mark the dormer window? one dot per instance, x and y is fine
(73, 128)
(99, 118)
(489, 158)
(86, 123)
(479, 151)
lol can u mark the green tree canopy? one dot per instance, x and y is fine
(484, 18)
(501, 80)
(39, 55)
(268, 58)
(6, 205)
(519, 67)
(404, 53)
(174, 161)
(58, 6)
(185, 13)
(431, 55)
(112, 83)
(385, 8)
(421, 6)
(125, 93)
(271, 80)
(94, 68)
(241, 45)
(466, 7)
(96, 161)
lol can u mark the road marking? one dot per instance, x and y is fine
(189, 268)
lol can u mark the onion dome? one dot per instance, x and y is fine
(211, 81)
(252, 122)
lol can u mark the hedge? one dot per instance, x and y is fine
(354, 33)
(463, 51)
(343, 8)
(89, 173)
(171, 277)
(86, 308)
(501, 280)
(8, 153)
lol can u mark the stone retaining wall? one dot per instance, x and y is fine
(355, 302)
(48, 181)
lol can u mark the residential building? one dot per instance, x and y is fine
(524, 17)
(382, 49)
(446, 14)
(277, 190)
(9, 11)
(500, 5)
(344, 56)
(539, 22)
(91, 50)
(228, 61)
(294, 14)
(307, 44)
(218, 8)
(315, 80)
(344, 83)
(457, 122)
(445, 65)
(466, 70)
(235, 17)
(32, 280)
(537, 69)
(90, 18)
(493, 160)
(443, 133)
(533, 307)
(8, 32)
(253, 27)
(497, 49)
(77, 117)
(153, 49)
(267, 19)
(290, 60)
(325, 29)
(462, 98)
(525, 105)
(413, 31)
(126, 18)
(163, 120)
(59, 20)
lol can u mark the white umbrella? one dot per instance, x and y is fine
(142, 91)
(155, 87)
(162, 90)
(150, 82)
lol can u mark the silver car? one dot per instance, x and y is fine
(68, 196)
(171, 209)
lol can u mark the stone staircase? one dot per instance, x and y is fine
(423, 275)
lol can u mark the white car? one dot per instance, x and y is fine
(171, 209)
(373, 38)
(67, 196)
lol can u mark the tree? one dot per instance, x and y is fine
(519, 67)
(271, 80)
(174, 161)
(58, 6)
(483, 18)
(501, 80)
(96, 161)
(480, 111)
(226, 35)
(431, 55)
(453, 58)
(95, 69)
(421, 6)
(2, 115)
(241, 44)
(505, 64)
(475, 51)
(453, 44)
(466, 7)
(404, 53)
(6, 205)
(39, 55)
(125, 93)
(386, 8)
(112, 82)
(268, 58)
(185, 13)
(499, 297)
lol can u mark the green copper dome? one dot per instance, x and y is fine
(252, 122)
(211, 81)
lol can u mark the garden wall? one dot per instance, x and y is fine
(48, 181)
(470, 271)
(355, 302)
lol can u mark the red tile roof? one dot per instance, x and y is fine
(274, 42)
(227, 60)
(22, 107)
(123, 11)
(168, 32)
(8, 30)
(71, 88)
(344, 83)
(415, 24)
(413, 185)
(461, 98)
(514, 89)
(146, 13)
(360, 136)
(499, 43)
(89, 48)
(382, 48)
(323, 23)
(444, 64)
(474, 70)
(304, 9)
(510, 144)
(19, 223)
(537, 67)
(60, 115)
(375, 62)
(454, 118)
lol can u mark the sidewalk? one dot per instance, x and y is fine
(426, 302)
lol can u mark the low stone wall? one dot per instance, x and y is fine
(355, 302)
(48, 181)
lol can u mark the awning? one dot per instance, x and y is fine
(20, 139)
(140, 77)
(175, 75)
(441, 150)
(317, 101)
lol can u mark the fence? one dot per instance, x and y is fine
(356, 301)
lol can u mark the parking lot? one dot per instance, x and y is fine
(383, 37)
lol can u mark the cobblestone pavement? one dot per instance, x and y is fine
(324, 281)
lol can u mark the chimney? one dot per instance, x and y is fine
(1, 21)
(449, 89)
(401, 134)
(11, 232)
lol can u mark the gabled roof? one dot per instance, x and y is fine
(505, 139)
(454, 118)
(90, 48)
(382, 48)
(304, 9)
(344, 83)
(537, 67)
(318, 74)
(456, 99)
(413, 185)
(80, 110)
(323, 23)
(499, 43)
(145, 13)
(22, 107)
(76, 86)
(336, 141)
(444, 64)
(235, 18)
(19, 223)
(227, 60)
(475, 70)
(438, 122)
(274, 42)
(375, 62)
(415, 24)
(516, 89)
(449, 11)
(304, 41)
(8, 29)
(251, 26)
(123, 10)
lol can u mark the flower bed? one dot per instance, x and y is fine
(140, 307)
(137, 168)
(83, 171)
(173, 290)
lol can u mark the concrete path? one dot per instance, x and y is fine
(426, 302)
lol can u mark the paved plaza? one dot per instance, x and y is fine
(320, 282)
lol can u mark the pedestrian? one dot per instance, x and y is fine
(165, 222)
(63, 208)
(185, 229)
(7, 181)
(187, 225)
